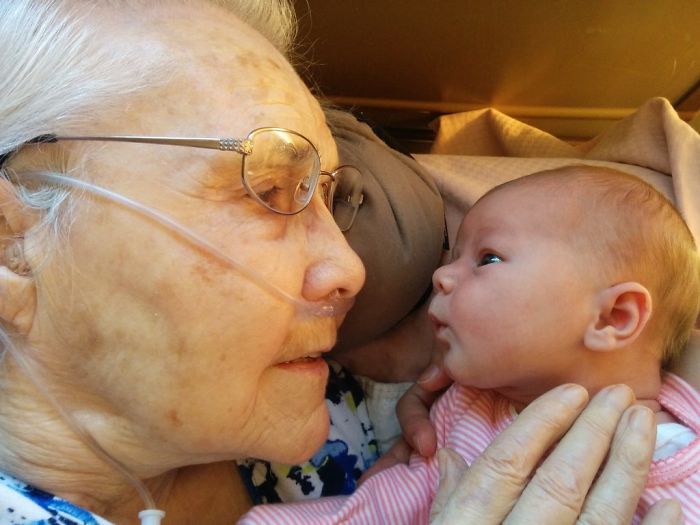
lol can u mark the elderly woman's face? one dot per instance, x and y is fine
(195, 358)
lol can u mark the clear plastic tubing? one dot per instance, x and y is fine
(332, 307)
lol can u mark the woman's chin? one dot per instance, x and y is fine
(291, 416)
(305, 441)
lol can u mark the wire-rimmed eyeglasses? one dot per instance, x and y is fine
(280, 169)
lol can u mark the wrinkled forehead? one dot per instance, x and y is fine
(224, 79)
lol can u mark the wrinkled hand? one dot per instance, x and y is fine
(498, 488)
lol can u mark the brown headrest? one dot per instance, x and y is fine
(398, 232)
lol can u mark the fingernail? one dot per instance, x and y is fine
(420, 443)
(672, 512)
(430, 373)
(617, 396)
(441, 465)
(675, 513)
(641, 419)
(574, 395)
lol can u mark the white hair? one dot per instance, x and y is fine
(58, 68)
(275, 20)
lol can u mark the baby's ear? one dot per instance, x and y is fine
(622, 312)
(17, 291)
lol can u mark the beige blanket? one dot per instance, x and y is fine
(480, 149)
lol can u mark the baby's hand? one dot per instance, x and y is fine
(399, 453)
(413, 410)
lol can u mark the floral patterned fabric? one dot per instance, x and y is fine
(350, 449)
(22, 504)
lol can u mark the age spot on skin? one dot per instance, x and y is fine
(174, 417)
(204, 272)
(273, 64)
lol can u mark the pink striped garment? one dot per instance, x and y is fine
(679, 475)
(467, 420)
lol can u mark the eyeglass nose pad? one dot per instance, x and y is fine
(351, 188)
(304, 191)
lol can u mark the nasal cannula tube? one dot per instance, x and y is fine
(334, 306)
(152, 516)
(331, 307)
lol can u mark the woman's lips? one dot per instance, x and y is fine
(303, 359)
(312, 358)
(308, 364)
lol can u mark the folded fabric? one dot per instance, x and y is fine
(398, 232)
(653, 143)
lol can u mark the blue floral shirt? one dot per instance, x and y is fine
(26, 505)
(351, 448)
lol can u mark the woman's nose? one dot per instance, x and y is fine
(336, 268)
(443, 279)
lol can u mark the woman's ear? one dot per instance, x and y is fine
(17, 291)
(622, 312)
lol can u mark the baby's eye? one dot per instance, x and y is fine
(489, 258)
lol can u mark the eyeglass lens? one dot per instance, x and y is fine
(282, 173)
(346, 197)
(282, 170)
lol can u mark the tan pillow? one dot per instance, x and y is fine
(398, 232)
(462, 179)
(477, 150)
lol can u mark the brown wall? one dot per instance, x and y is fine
(571, 66)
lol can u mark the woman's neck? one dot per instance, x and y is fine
(38, 447)
(207, 495)
(212, 493)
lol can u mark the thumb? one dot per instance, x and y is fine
(664, 512)
(452, 468)
(434, 378)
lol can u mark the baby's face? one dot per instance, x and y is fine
(511, 308)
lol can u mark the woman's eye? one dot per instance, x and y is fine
(489, 258)
(267, 194)
(269, 189)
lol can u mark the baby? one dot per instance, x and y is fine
(575, 275)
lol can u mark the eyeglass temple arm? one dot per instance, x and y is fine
(242, 146)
